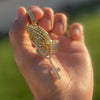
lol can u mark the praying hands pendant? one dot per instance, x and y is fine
(45, 46)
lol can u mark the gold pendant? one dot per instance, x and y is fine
(45, 46)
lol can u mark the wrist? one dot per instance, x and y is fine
(55, 97)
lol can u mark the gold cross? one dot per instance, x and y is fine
(45, 46)
(55, 72)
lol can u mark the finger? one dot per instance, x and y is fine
(17, 30)
(37, 11)
(47, 21)
(60, 24)
(76, 32)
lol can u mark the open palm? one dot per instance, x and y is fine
(72, 58)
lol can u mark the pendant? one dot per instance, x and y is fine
(45, 46)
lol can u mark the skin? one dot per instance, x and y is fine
(72, 58)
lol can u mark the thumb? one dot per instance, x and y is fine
(21, 11)
(19, 38)
(18, 35)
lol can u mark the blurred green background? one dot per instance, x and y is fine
(12, 83)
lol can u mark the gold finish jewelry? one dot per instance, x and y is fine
(45, 46)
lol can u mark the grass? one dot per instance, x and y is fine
(13, 85)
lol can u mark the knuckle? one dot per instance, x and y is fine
(16, 22)
(13, 29)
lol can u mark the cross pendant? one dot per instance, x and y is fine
(41, 39)
(55, 72)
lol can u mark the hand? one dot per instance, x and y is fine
(72, 58)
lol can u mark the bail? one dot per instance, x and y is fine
(32, 17)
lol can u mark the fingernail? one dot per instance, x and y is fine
(48, 22)
(19, 13)
(59, 27)
(76, 33)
